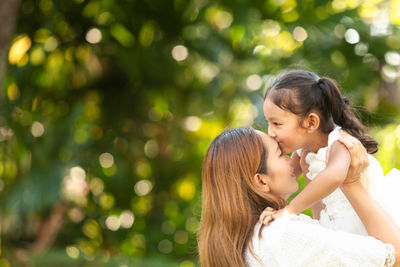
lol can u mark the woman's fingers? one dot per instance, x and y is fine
(346, 140)
(358, 154)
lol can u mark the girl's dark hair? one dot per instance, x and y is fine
(301, 92)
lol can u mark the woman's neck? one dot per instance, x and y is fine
(316, 141)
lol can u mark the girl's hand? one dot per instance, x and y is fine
(303, 164)
(359, 158)
(269, 215)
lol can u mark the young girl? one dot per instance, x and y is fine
(305, 112)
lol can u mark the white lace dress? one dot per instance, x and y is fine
(338, 213)
(297, 240)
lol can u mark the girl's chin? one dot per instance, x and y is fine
(286, 151)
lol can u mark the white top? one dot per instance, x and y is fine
(297, 240)
(338, 214)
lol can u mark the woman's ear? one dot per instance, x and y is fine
(261, 181)
(311, 122)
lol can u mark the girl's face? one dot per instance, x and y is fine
(281, 179)
(284, 127)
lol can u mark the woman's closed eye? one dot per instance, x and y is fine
(276, 124)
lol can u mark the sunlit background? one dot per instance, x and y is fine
(108, 106)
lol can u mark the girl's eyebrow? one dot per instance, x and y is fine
(273, 118)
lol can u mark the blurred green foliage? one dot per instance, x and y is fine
(108, 108)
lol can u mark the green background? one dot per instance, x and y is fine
(108, 106)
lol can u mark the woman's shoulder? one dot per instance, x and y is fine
(287, 223)
(272, 243)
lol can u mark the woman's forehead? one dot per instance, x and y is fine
(268, 141)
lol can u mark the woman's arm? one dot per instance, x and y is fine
(374, 218)
(325, 182)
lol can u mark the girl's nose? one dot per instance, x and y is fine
(271, 132)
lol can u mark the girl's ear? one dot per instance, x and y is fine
(311, 122)
(261, 181)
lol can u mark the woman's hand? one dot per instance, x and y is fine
(359, 158)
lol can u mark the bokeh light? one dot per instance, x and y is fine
(37, 129)
(113, 223)
(192, 123)
(13, 92)
(18, 49)
(186, 189)
(151, 148)
(72, 252)
(75, 187)
(93, 36)
(351, 36)
(127, 219)
(180, 52)
(106, 160)
(392, 58)
(50, 44)
(143, 187)
(165, 246)
(96, 186)
(76, 214)
(5, 133)
(181, 237)
(300, 34)
(361, 49)
(168, 228)
(254, 82)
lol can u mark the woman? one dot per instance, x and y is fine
(244, 172)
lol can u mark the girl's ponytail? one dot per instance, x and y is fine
(343, 115)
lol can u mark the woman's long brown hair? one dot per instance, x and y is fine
(231, 203)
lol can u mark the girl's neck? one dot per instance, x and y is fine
(317, 140)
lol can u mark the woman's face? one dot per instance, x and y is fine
(281, 179)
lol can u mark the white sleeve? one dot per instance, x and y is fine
(300, 243)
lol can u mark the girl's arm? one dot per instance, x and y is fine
(318, 206)
(325, 182)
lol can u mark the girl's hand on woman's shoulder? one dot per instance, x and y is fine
(270, 214)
